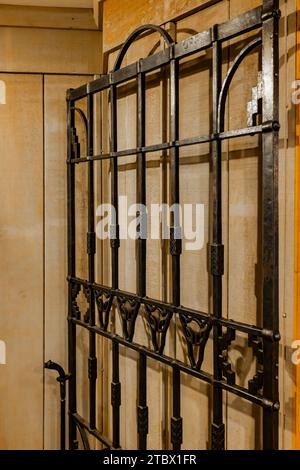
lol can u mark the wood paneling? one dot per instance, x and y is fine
(21, 266)
(53, 3)
(33, 17)
(55, 246)
(117, 26)
(296, 423)
(50, 51)
(33, 180)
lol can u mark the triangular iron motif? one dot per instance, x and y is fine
(104, 302)
(196, 331)
(158, 320)
(128, 310)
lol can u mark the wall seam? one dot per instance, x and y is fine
(44, 257)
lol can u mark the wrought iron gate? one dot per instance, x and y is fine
(263, 387)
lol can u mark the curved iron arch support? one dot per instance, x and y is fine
(229, 77)
(85, 124)
(84, 437)
(135, 34)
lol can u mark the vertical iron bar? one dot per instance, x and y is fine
(270, 70)
(71, 272)
(61, 379)
(217, 249)
(91, 249)
(62, 416)
(141, 185)
(115, 237)
(116, 394)
(175, 237)
(142, 411)
(115, 243)
(176, 420)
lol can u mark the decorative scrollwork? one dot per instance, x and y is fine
(254, 106)
(196, 332)
(257, 382)
(86, 292)
(158, 320)
(80, 298)
(75, 289)
(128, 310)
(224, 342)
(104, 302)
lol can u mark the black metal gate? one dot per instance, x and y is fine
(263, 387)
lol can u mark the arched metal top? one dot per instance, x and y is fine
(85, 124)
(134, 35)
(83, 118)
(228, 79)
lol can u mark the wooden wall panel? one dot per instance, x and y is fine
(40, 40)
(21, 241)
(117, 26)
(43, 17)
(55, 247)
(48, 51)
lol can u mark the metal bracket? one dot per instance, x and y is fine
(61, 379)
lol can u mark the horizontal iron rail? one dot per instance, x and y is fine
(252, 330)
(235, 325)
(252, 131)
(203, 40)
(205, 376)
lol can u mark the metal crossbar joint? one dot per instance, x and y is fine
(270, 12)
(215, 33)
(69, 94)
(270, 126)
(273, 336)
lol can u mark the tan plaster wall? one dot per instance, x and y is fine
(36, 42)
